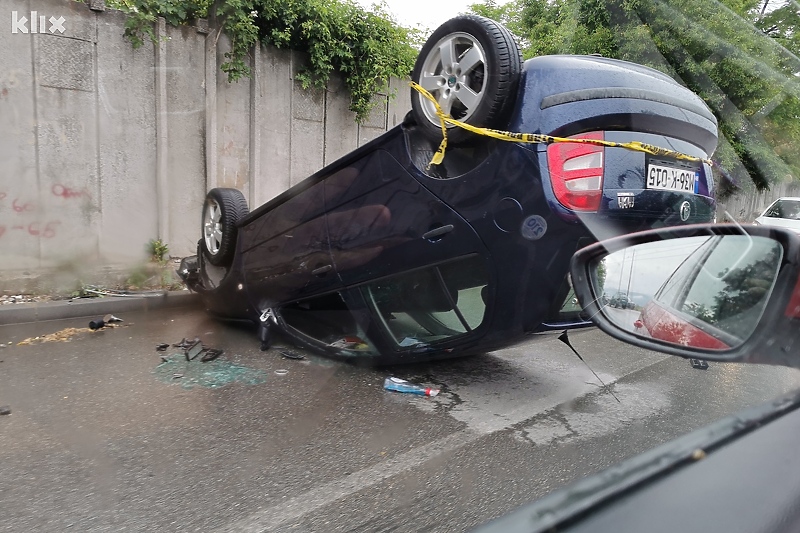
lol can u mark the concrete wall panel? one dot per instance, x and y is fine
(67, 219)
(308, 128)
(65, 63)
(400, 105)
(341, 130)
(375, 124)
(307, 139)
(69, 184)
(272, 104)
(186, 123)
(233, 128)
(127, 122)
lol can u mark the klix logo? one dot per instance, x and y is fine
(38, 23)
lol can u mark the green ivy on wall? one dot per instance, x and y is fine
(367, 48)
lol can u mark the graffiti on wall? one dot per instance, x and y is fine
(13, 210)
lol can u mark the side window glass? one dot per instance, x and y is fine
(732, 286)
(433, 304)
(785, 209)
(776, 211)
(674, 289)
(328, 320)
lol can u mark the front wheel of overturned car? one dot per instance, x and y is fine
(222, 210)
(471, 65)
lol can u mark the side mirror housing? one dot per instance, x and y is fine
(720, 292)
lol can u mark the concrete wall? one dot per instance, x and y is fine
(103, 147)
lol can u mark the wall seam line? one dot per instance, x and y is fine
(291, 117)
(36, 132)
(96, 59)
(162, 184)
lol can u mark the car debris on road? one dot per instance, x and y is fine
(401, 385)
(210, 355)
(192, 349)
(213, 374)
(292, 355)
(107, 320)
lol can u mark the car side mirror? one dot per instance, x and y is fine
(718, 292)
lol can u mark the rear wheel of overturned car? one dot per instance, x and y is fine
(471, 65)
(222, 210)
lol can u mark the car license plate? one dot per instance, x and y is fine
(671, 178)
(625, 200)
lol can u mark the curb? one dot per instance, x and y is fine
(77, 308)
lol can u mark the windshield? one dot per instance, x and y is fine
(789, 209)
(224, 226)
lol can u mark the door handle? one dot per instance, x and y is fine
(438, 232)
(321, 270)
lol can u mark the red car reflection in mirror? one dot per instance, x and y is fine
(658, 322)
(715, 297)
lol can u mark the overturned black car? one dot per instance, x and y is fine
(383, 256)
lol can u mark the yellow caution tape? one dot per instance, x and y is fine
(536, 138)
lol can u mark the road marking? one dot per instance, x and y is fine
(327, 493)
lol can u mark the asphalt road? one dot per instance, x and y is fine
(104, 436)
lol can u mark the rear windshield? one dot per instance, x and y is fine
(784, 209)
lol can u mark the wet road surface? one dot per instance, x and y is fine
(104, 436)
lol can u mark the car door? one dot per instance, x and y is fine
(381, 221)
(285, 249)
(421, 269)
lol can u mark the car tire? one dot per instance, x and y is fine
(477, 82)
(222, 210)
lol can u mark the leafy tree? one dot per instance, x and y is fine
(601, 273)
(780, 22)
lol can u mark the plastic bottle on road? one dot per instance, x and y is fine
(401, 385)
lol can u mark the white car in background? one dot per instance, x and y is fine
(784, 212)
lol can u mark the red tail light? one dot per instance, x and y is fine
(576, 172)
